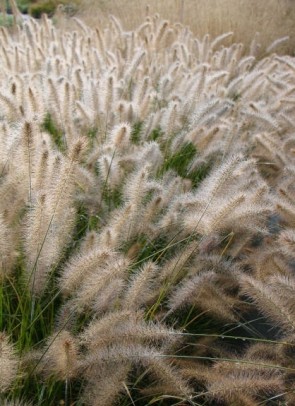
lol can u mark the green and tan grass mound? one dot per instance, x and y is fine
(146, 218)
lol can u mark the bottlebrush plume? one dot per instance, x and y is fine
(9, 363)
(60, 356)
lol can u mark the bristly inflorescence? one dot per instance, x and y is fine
(146, 217)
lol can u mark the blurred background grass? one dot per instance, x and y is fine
(271, 18)
(37, 7)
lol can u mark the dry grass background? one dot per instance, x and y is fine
(271, 18)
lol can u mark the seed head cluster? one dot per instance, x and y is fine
(147, 217)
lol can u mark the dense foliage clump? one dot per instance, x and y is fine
(147, 217)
